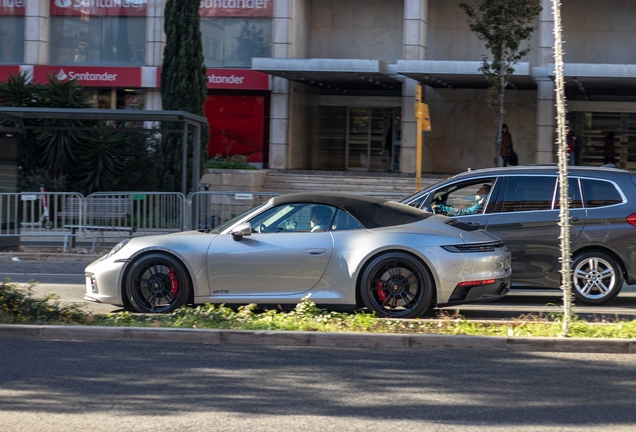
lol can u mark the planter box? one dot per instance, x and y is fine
(232, 180)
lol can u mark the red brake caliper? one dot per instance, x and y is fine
(174, 282)
(380, 290)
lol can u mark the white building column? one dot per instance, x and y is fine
(546, 97)
(415, 26)
(546, 124)
(408, 154)
(279, 100)
(36, 32)
(155, 36)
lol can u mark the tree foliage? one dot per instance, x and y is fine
(183, 86)
(75, 155)
(503, 25)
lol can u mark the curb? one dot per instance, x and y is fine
(317, 339)
(49, 256)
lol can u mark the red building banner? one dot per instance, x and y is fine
(91, 76)
(6, 71)
(237, 125)
(98, 7)
(12, 7)
(236, 8)
(232, 79)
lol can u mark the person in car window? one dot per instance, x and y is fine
(480, 199)
(319, 218)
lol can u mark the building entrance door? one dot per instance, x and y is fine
(373, 139)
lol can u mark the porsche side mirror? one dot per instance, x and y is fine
(242, 230)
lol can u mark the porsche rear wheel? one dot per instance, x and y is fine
(396, 285)
(157, 283)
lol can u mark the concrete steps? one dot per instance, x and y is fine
(381, 184)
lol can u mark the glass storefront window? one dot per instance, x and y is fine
(11, 40)
(98, 41)
(233, 42)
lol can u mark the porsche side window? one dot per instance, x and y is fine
(294, 218)
(268, 221)
(344, 221)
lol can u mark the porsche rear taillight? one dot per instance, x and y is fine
(476, 282)
(631, 219)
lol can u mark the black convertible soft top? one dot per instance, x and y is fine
(372, 212)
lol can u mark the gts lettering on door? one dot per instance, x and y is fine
(220, 292)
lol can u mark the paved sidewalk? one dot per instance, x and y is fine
(319, 339)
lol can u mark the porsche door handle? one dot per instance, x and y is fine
(316, 251)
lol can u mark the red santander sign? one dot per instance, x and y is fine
(12, 7)
(91, 76)
(7, 71)
(232, 79)
(98, 7)
(236, 8)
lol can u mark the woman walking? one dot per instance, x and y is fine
(505, 148)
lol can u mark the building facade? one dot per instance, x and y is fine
(330, 84)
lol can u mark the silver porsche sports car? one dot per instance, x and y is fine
(343, 250)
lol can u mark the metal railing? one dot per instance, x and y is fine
(121, 214)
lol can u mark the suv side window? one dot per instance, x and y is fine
(460, 199)
(528, 193)
(599, 193)
(574, 194)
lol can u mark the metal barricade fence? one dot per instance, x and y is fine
(40, 214)
(121, 214)
(134, 213)
(208, 209)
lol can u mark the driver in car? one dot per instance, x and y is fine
(319, 218)
(477, 207)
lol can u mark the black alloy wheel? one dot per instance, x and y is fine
(157, 283)
(596, 278)
(396, 285)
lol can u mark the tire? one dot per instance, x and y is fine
(396, 285)
(157, 283)
(47, 224)
(596, 278)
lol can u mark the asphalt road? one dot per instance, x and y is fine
(105, 386)
(66, 279)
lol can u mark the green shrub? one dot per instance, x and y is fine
(229, 162)
(18, 306)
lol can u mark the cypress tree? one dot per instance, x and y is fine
(183, 87)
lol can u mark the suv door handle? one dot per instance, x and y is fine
(572, 219)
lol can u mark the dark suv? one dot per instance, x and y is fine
(522, 208)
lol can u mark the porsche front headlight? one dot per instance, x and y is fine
(119, 246)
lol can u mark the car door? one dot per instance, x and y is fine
(281, 256)
(526, 217)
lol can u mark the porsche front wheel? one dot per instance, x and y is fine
(157, 283)
(396, 285)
